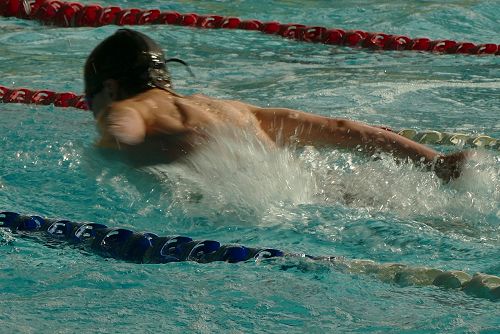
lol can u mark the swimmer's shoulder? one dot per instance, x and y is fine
(147, 104)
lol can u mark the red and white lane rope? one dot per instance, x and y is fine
(74, 14)
(42, 97)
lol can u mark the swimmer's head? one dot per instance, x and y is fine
(132, 60)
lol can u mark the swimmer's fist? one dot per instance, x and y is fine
(449, 167)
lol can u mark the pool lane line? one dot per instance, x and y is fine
(73, 14)
(149, 248)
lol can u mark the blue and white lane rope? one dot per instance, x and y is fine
(124, 244)
(128, 245)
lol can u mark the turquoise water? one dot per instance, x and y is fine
(319, 203)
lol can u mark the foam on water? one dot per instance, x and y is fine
(390, 92)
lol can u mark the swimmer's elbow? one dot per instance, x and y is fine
(130, 138)
(106, 143)
(127, 126)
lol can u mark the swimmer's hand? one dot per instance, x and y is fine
(449, 167)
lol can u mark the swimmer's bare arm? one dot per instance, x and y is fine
(292, 126)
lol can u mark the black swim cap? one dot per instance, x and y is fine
(130, 57)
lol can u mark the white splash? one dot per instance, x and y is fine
(236, 175)
(236, 178)
(407, 192)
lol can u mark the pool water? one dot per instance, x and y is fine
(323, 202)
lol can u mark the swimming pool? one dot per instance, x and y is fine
(292, 201)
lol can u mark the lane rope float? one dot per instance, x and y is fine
(69, 99)
(74, 14)
(149, 248)
(432, 137)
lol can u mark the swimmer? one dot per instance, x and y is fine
(129, 90)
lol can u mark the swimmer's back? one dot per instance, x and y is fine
(172, 122)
